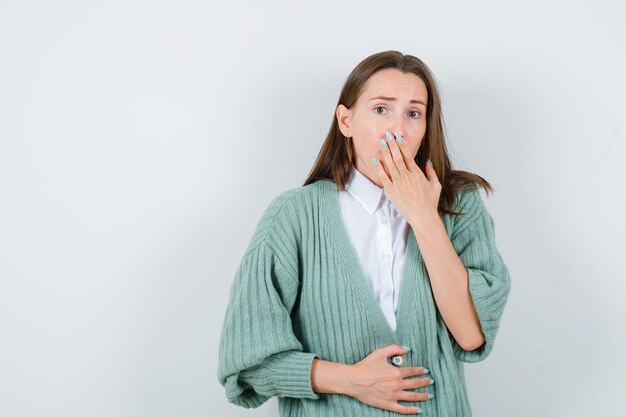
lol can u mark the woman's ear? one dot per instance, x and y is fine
(344, 115)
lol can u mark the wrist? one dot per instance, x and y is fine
(331, 377)
(346, 383)
(426, 224)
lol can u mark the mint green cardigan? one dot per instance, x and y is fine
(300, 293)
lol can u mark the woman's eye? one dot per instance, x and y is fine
(413, 114)
(415, 111)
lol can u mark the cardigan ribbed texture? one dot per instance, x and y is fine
(300, 293)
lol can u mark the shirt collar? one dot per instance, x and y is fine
(367, 193)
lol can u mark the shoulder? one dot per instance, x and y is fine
(469, 202)
(286, 215)
(286, 203)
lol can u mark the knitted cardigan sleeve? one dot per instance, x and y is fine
(259, 354)
(473, 238)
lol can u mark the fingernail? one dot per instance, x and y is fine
(431, 396)
(430, 162)
(407, 348)
(389, 135)
(383, 144)
(432, 381)
(419, 411)
(399, 139)
(375, 161)
(426, 370)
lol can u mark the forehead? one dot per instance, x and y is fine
(395, 83)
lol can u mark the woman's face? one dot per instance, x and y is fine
(391, 101)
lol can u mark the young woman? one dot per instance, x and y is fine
(362, 292)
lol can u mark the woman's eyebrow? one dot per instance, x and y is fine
(394, 99)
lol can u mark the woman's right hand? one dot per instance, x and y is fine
(376, 382)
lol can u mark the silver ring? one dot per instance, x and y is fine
(397, 360)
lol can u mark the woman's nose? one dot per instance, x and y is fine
(396, 128)
(395, 133)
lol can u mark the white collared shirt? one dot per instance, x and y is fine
(379, 235)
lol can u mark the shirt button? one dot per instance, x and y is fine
(384, 221)
(385, 256)
(388, 293)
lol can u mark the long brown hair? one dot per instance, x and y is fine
(336, 157)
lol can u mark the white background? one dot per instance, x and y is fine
(140, 142)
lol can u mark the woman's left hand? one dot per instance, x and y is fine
(412, 193)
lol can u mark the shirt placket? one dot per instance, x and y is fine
(386, 258)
